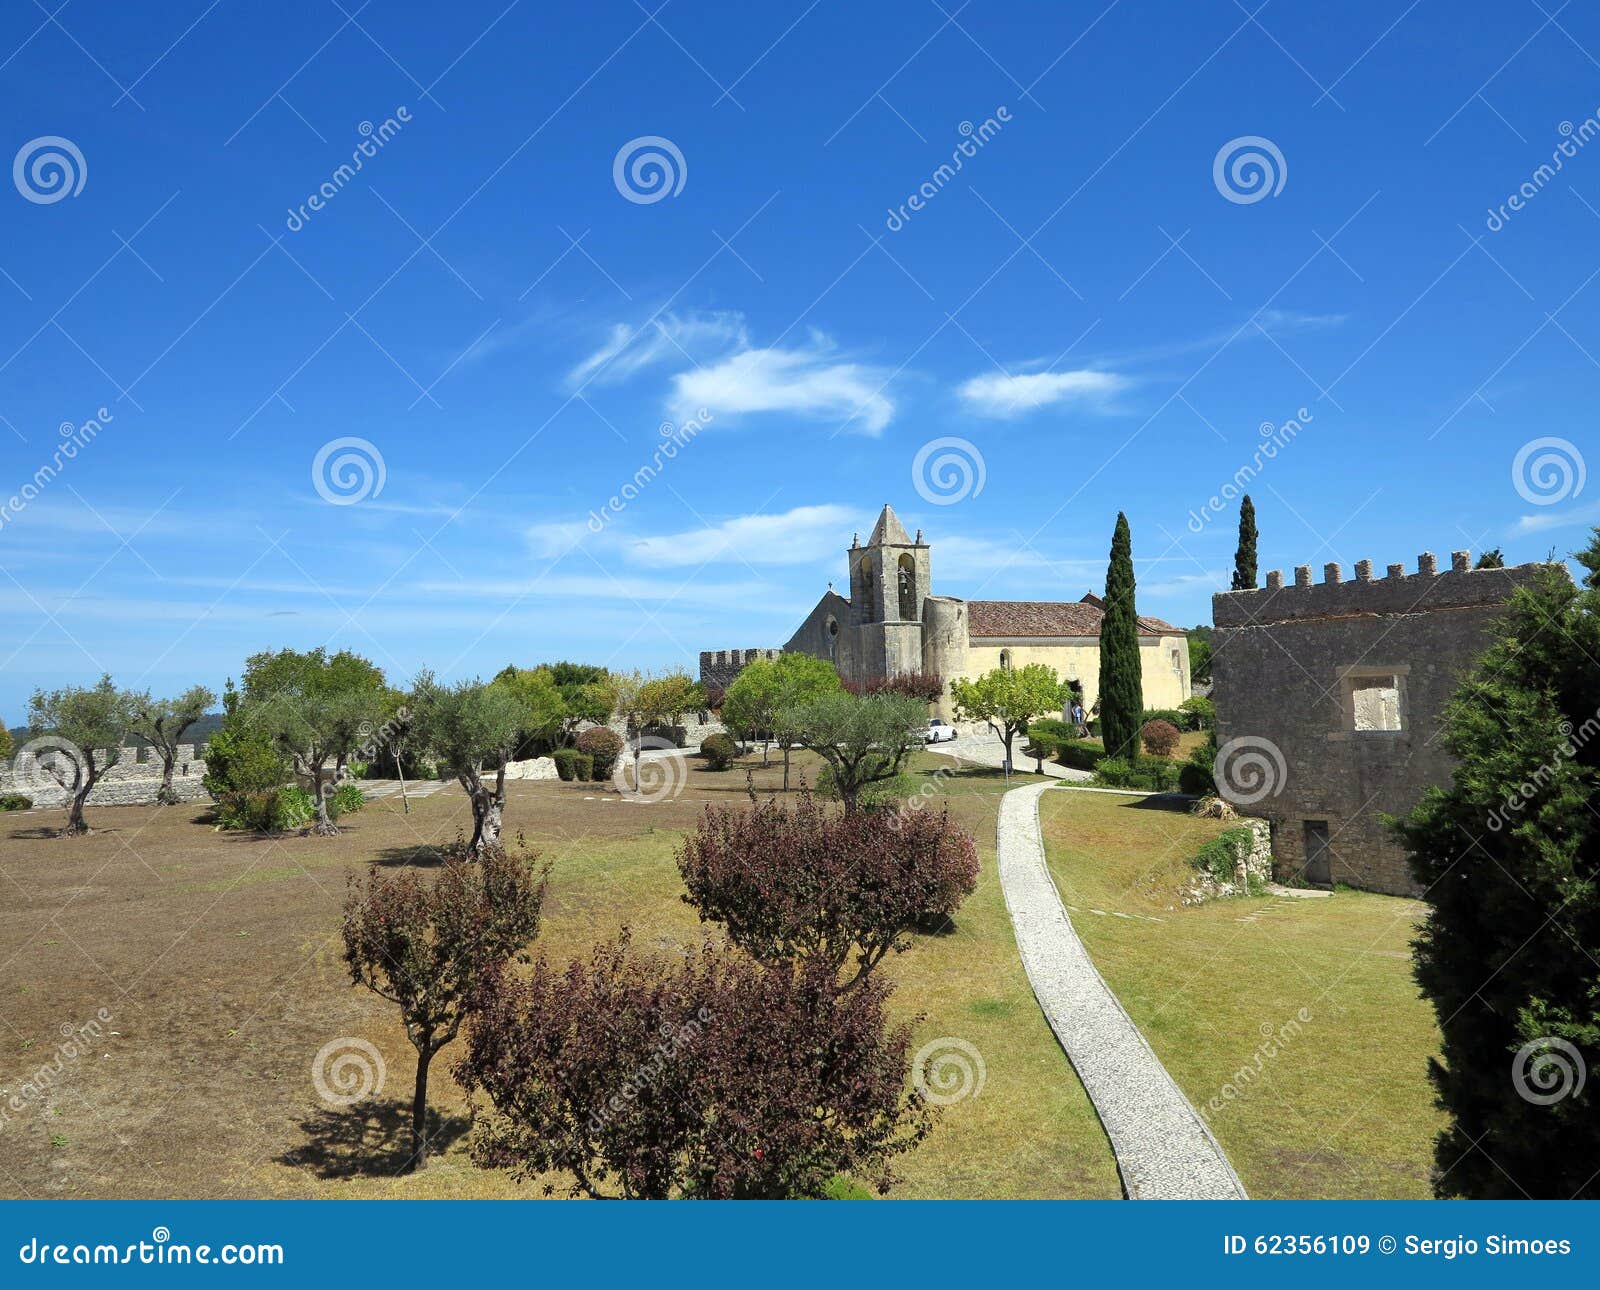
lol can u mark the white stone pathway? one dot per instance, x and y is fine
(378, 789)
(1164, 1150)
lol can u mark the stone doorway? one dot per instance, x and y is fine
(1319, 854)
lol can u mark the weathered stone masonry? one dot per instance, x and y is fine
(1348, 681)
(133, 781)
(718, 667)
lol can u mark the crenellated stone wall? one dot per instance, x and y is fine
(1330, 697)
(133, 781)
(718, 667)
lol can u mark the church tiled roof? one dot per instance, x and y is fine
(1021, 618)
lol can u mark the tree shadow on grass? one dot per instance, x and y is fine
(367, 1140)
(425, 855)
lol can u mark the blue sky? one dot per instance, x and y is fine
(1101, 315)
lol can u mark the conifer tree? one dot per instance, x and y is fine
(1244, 559)
(1508, 857)
(1121, 677)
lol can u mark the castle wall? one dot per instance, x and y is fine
(945, 645)
(133, 781)
(718, 667)
(1303, 673)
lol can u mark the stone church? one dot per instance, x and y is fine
(892, 623)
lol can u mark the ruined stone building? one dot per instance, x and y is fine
(892, 623)
(1329, 704)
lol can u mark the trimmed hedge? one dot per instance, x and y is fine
(15, 802)
(719, 751)
(566, 760)
(605, 746)
(1160, 738)
(1150, 775)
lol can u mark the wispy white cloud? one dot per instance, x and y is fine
(808, 381)
(1007, 395)
(804, 535)
(690, 338)
(1558, 519)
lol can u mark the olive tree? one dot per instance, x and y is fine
(164, 722)
(81, 721)
(472, 729)
(316, 709)
(864, 739)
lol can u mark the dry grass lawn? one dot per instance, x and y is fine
(218, 960)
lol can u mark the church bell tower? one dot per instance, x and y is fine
(889, 576)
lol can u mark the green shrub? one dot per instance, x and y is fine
(603, 744)
(1197, 776)
(1149, 775)
(346, 799)
(1160, 738)
(894, 791)
(15, 802)
(242, 761)
(583, 766)
(719, 751)
(274, 810)
(1220, 857)
(566, 760)
(1202, 713)
(1081, 754)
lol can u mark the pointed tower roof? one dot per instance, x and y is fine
(888, 531)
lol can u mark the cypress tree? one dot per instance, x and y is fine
(1509, 857)
(1244, 559)
(1121, 677)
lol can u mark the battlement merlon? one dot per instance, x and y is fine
(1462, 587)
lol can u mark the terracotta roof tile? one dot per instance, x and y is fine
(1048, 618)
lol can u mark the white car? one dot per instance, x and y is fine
(939, 731)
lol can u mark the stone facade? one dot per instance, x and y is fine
(892, 623)
(718, 667)
(133, 781)
(1329, 703)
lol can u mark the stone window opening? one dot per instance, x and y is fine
(907, 574)
(1374, 700)
(1005, 660)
